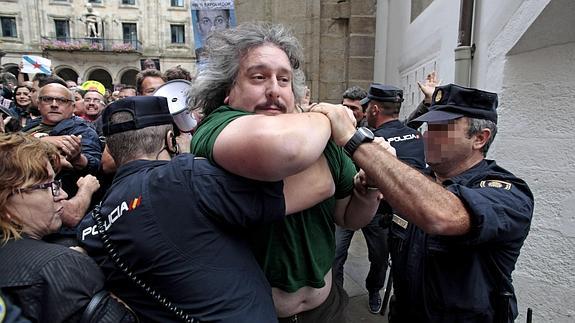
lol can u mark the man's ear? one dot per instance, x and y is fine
(227, 99)
(481, 139)
(171, 143)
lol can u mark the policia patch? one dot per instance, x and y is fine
(496, 184)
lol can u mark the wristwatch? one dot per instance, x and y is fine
(362, 135)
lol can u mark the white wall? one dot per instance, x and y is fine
(535, 141)
(526, 53)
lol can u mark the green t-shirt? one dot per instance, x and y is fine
(300, 250)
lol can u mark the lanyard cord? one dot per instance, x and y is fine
(114, 255)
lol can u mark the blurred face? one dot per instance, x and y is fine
(37, 209)
(71, 84)
(150, 84)
(79, 107)
(209, 20)
(264, 82)
(54, 103)
(23, 97)
(124, 93)
(447, 144)
(355, 107)
(94, 103)
(149, 65)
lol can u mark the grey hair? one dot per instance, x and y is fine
(129, 145)
(477, 125)
(354, 93)
(226, 48)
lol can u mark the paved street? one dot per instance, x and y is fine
(355, 269)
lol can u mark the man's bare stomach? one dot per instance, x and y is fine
(304, 299)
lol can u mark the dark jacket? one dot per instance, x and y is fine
(91, 148)
(462, 278)
(52, 283)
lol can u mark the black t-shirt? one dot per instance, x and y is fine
(181, 227)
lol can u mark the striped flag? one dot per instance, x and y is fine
(36, 64)
(135, 203)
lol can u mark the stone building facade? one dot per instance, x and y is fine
(129, 31)
(338, 37)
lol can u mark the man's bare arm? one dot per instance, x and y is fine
(356, 211)
(425, 203)
(307, 188)
(271, 148)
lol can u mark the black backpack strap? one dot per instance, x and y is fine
(91, 308)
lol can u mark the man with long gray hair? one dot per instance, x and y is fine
(248, 92)
(179, 223)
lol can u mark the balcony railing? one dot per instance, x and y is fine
(91, 45)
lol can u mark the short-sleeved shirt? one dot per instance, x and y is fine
(458, 278)
(181, 226)
(298, 251)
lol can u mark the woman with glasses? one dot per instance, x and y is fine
(49, 282)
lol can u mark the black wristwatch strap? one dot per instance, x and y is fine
(360, 136)
(352, 144)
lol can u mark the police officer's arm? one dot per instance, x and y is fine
(423, 202)
(307, 188)
(426, 204)
(271, 148)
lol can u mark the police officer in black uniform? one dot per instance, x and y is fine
(459, 231)
(179, 224)
(382, 113)
(382, 105)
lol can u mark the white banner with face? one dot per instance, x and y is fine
(210, 15)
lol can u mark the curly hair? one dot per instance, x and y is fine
(225, 50)
(22, 163)
(354, 93)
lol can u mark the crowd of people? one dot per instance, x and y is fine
(109, 213)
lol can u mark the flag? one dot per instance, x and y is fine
(36, 64)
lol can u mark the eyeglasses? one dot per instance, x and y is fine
(54, 185)
(50, 99)
(95, 100)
